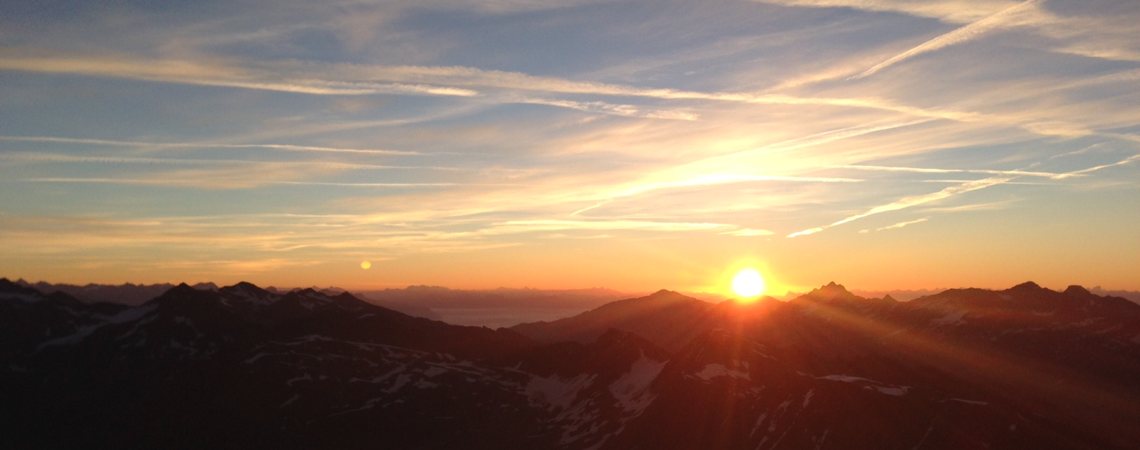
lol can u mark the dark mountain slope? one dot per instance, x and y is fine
(666, 318)
(243, 367)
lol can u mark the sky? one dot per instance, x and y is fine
(634, 145)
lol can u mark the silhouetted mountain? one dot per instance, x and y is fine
(1133, 296)
(137, 294)
(667, 318)
(127, 294)
(245, 367)
(1022, 368)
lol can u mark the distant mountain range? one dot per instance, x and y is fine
(490, 307)
(245, 367)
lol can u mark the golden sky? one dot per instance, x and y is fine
(634, 145)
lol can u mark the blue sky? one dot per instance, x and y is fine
(635, 145)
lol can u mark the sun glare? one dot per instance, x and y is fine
(748, 283)
(366, 265)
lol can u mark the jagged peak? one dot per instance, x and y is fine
(830, 291)
(833, 288)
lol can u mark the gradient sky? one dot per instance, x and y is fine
(634, 145)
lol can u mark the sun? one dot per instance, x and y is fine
(747, 283)
(366, 265)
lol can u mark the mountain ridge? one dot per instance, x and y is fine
(242, 366)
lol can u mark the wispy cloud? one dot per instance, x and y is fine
(713, 179)
(944, 171)
(228, 180)
(750, 232)
(253, 165)
(213, 74)
(442, 80)
(806, 232)
(1077, 173)
(967, 33)
(987, 206)
(204, 145)
(895, 226)
(909, 202)
(951, 191)
(607, 225)
(959, 11)
(614, 109)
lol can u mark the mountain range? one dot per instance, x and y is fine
(245, 367)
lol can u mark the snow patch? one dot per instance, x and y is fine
(869, 384)
(759, 422)
(126, 316)
(893, 391)
(557, 391)
(711, 371)
(631, 389)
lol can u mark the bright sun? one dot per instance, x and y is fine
(748, 283)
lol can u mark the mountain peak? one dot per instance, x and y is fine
(1026, 286)
(182, 288)
(247, 289)
(830, 291)
(6, 283)
(244, 285)
(833, 288)
(1077, 290)
(665, 294)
